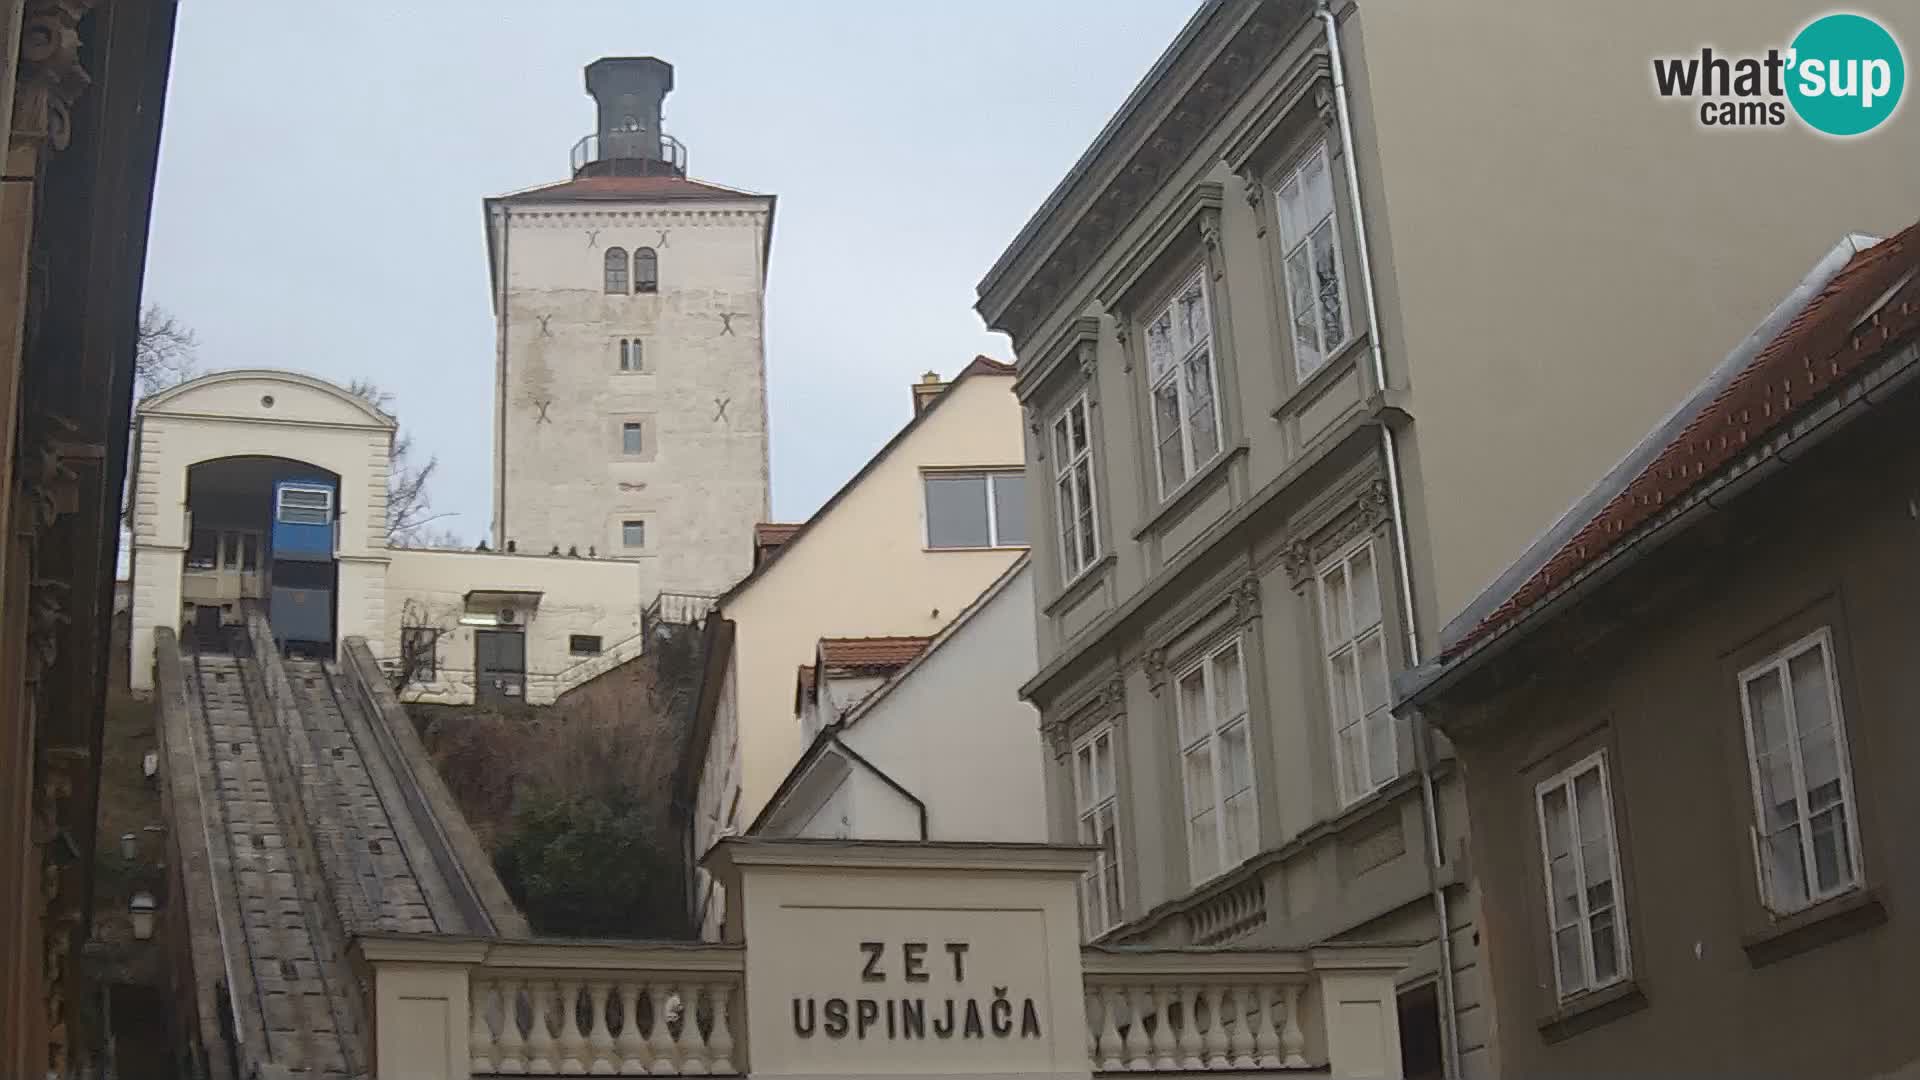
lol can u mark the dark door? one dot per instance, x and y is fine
(500, 665)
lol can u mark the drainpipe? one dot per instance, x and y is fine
(1396, 497)
(500, 392)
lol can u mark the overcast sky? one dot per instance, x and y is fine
(322, 166)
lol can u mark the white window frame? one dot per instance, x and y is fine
(993, 513)
(1078, 550)
(1182, 353)
(1778, 662)
(1331, 651)
(1211, 733)
(326, 506)
(1290, 245)
(1623, 954)
(1100, 909)
(630, 353)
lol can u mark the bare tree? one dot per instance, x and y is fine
(165, 352)
(409, 510)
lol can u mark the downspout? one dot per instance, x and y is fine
(1396, 497)
(500, 392)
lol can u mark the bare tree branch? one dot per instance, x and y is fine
(409, 510)
(165, 352)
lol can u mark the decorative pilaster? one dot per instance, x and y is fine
(1210, 240)
(1246, 600)
(1154, 664)
(1255, 191)
(51, 77)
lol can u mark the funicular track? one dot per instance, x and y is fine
(316, 830)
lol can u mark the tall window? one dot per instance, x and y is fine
(1582, 862)
(630, 433)
(1216, 763)
(1356, 650)
(1096, 800)
(976, 510)
(616, 264)
(629, 354)
(633, 534)
(1316, 290)
(1073, 499)
(1806, 836)
(1186, 423)
(646, 270)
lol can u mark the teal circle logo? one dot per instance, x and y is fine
(1845, 74)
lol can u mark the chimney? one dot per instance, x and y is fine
(627, 92)
(924, 391)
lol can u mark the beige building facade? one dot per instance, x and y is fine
(1311, 346)
(871, 562)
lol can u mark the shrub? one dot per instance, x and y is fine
(589, 864)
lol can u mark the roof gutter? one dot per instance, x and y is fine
(1786, 448)
(1403, 562)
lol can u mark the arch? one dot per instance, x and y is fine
(616, 271)
(227, 393)
(646, 270)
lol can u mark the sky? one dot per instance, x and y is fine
(322, 168)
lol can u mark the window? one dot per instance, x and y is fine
(305, 505)
(629, 354)
(633, 534)
(1356, 650)
(1186, 423)
(1097, 802)
(630, 437)
(583, 644)
(1582, 872)
(419, 652)
(1806, 838)
(1073, 498)
(1216, 763)
(976, 510)
(203, 549)
(616, 272)
(646, 271)
(1316, 292)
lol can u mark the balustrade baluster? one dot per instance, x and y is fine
(539, 1036)
(631, 1045)
(1293, 1042)
(600, 1040)
(721, 1042)
(1162, 1031)
(1240, 1035)
(1091, 1003)
(660, 1041)
(572, 1045)
(1135, 1049)
(693, 1048)
(1266, 1044)
(1190, 1045)
(479, 1035)
(1109, 1028)
(512, 1057)
(1217, 1028)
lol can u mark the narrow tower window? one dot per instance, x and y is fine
(646, 271)
(617, 270)
(629, 354)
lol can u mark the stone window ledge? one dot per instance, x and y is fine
(1592, 1009)
(1830, 920)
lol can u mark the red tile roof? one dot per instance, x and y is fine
(774, 533)
(1816, 352)
(870, 653)
(590, 188)
(986, 365)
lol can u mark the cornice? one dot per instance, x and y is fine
(1198, 210)
(1076, 340)
(1015, 306)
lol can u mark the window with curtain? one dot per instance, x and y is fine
(976, 509)
(1585, 915)
(1310, 244)
(1097, 803)
(646, 271)
(1216, 762)
(1073, 489)
(1181, 378)
(1355, 645)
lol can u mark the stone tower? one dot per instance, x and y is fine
(630, 415)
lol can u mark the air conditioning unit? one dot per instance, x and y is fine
(506, 616)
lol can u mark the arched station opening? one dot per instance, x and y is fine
(262, 532)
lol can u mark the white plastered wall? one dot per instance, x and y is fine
(577, 596)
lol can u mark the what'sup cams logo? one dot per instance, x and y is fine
(1842, 75)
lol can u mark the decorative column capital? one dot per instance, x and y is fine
(1246, 600)
(51, 78)
(1298, 559)
(1154, 664)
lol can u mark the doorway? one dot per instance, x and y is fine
(499, 665)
